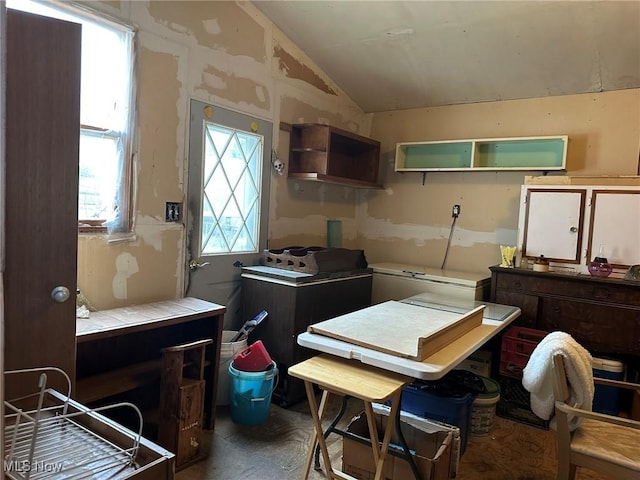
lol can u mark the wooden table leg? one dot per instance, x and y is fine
(389, 429)
(311, 454)
(319, 434)
(348, 378)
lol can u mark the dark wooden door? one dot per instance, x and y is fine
(42, 142)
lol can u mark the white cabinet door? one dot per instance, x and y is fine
(553, 224)
(615, 224)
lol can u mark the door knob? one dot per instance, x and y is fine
(60, 294)
(194, 265)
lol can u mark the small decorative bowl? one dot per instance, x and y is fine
(599, 269)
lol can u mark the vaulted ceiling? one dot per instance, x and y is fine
(391, 55)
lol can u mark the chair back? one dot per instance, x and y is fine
(560, 384)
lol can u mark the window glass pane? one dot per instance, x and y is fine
(98, 176)
(105, 77)
(232, 170)
(105, 99)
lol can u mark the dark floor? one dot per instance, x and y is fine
(278, 448)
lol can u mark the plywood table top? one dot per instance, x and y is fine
(400, 329)
(435, 365)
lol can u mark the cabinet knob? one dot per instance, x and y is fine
(573, 229)
(557, 310)
(517, 284)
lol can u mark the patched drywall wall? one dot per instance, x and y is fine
(142, 269)
(226, 54)
(158, 172)
(410, 222)
(293, 68)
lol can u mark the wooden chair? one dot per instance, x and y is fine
(604, 443)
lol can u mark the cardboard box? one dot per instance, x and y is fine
(430, 426)
(479, 362)
(431, 452)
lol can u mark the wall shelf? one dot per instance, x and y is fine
(322, 153)
(517, 153)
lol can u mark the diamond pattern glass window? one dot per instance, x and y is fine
(231, 194)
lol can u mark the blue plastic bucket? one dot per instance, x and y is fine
(251, 394)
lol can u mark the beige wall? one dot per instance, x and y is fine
(409, 222)
(228, 54)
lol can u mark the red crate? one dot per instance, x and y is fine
(517, 345)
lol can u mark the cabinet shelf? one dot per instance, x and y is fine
(308, 150)
(518, 153)
(322, 153)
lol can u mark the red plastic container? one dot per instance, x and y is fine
(518, 343)
(254, 358)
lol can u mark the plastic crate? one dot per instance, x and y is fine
(515, 403)
(517, 345)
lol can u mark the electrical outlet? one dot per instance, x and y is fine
(455, 212)
(172, 212)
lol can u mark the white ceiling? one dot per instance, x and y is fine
(391, 55)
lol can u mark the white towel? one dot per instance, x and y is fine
(537, 376)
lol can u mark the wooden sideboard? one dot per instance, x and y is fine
(119, 351)
(602, 314)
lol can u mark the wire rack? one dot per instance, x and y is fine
(55, 440)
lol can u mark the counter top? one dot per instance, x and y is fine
(116, 321)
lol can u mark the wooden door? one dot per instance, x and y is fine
(228, 203)
(42, 142)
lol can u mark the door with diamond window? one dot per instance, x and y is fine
(227, 202)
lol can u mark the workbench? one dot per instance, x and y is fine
(119, 351)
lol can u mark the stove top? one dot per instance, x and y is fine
(293, 277)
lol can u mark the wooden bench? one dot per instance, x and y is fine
(120, 350)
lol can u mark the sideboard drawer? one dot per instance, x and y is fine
(599, 328)
(578, 286)
(601, 313)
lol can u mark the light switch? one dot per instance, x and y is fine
(172, 212)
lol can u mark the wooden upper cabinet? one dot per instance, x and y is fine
(569, 224)
(324, 153)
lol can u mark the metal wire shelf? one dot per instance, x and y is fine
(55, 441)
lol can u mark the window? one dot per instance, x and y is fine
(106, 114)
(231, 187)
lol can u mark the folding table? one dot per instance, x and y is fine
(375, 376)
